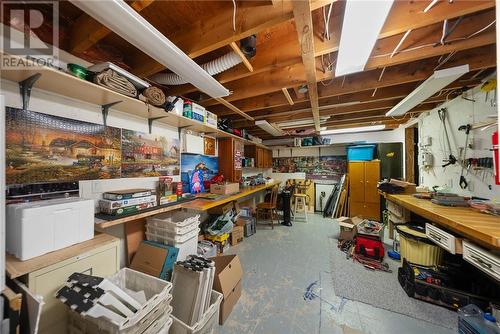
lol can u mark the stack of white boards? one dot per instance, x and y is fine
(191, 288)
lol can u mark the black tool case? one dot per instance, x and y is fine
(451, 288)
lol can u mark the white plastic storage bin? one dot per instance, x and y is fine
(209, 324)
(176, 218)
(37, 228)
(187, 245)
(157, 292)
(171, 232)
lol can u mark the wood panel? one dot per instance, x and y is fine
(372, 176)
(357, 180)
(410, 154)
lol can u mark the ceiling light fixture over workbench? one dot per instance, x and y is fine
(362, 23)
(122, 19)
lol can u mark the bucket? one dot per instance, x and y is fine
(416, 248)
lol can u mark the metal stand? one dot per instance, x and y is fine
(25, 87)
(105, 111)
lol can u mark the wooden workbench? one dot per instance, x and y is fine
(205, 204)
(480, 227)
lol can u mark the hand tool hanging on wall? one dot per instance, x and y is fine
(451, 158)
(463, 182)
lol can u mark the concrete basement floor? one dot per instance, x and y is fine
(280, 264)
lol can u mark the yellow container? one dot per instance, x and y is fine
(416, 248)
(220, 238)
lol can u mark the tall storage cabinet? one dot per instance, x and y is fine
(263, 157)
(363, 193)
(230, 154)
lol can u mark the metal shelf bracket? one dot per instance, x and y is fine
(151, 120)
(105, 111)
(25, 87)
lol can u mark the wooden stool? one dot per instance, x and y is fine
(300, 205)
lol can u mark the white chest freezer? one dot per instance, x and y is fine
(36, 228)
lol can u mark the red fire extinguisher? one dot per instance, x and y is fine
(496, 159)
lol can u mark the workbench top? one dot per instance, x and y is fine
(480, 227)
(206, 204)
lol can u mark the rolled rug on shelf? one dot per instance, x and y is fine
(116, 82)
(153, 95)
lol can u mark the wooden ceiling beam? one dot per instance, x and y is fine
(235, 109)
(304, 26)
(86, 31)
(406, 15)
(207, 35)
(266, 83)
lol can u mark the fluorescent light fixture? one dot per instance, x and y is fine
(270, 128)
(122, 19)
(437, 81)
(300, 122)
(363, 21)
(351, 130)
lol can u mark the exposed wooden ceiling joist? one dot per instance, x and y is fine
(86, 31)
(266, 83)
(304, 26)
(406, 15)
(204, 36)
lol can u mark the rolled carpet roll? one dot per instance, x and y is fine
(153, 95)
(116, 82)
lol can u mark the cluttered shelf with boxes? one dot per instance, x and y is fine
(112, 87)
(43, 258)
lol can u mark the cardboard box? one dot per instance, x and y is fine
(211, 119)
(228, 275)
(348, 228)
(221, 209)
(236, 235)
(155, 259)
(225, 189)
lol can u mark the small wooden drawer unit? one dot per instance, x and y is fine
(482, 259)
(444, 239)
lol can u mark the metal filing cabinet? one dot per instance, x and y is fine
(103, 260)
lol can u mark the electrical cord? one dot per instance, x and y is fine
(432, 44)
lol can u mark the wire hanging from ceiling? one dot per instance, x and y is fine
(234, 15)
(432, 44)
(326, 21)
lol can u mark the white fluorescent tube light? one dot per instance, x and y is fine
(269, 128)
(437, 81)
(362, 23)
(351, 130)
(122, 19)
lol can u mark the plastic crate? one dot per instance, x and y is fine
(166, 237)
(158, 297)
(209, 324)
(171, 231)
(176, 218)
(361, 152)
(188, 246)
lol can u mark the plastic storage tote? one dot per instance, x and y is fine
(188, 245)
(158, 297)
(178, 219)
(209, 324)
(360, 152)
(416, 248)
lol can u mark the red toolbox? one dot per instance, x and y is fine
(369, 246)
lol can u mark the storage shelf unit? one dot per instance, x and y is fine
(65, 84)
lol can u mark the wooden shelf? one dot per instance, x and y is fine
(122, 220)
(67, 85)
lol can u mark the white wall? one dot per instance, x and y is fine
(460, 112)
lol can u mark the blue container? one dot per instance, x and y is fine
(361, 152)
